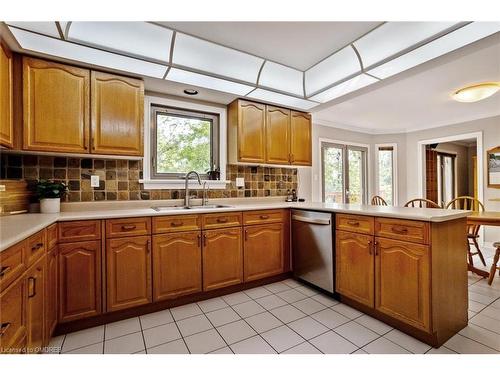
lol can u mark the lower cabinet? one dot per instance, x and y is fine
(51, 300)
(12, 317)
(176, 264)
(263, 251)
(79, 280)
(222, 258)
(35, 281)
(402, 282)
(128, 272)
(355, 267)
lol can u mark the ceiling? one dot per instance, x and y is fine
(420, 98)
(279, 41)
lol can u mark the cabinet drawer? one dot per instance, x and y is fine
(262, 217)
(12, 264)
(82, 230)
(137, 226)
(12, 324)
(404, 230)
(51, 236)
(35, 247)
(355, 223)
(221, 220)
(176, 223)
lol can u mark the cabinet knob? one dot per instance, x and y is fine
(176, 223)
(128, 227)
(353, 223)
(4, 270)
(31, 287)
(370, 247)
(264, 217)
(399, 229)
(37, 246)
(222, 219)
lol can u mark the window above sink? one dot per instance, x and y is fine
(180, 136)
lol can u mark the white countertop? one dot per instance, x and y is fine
(18, 227)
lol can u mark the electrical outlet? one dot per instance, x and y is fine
(94, 181)
(240, 182)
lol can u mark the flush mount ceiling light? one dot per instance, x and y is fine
(190, 92)
(476, 92)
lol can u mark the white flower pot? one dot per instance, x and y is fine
(50, 205)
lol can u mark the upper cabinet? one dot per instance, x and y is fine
(73, 110)
(265, 134)
(117, 114)
(6, 98)
(56, 109)
(301, 139)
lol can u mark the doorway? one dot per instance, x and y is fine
(344, 173)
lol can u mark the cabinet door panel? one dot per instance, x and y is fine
(6, 98)
(263, 251)
(51, 300)
(251, 132)
(222, 258)
(300, 133)
(128, 272)
(176, 265)
(35, 309)
(355, 267)
(402, 285)
(12, 317)
(117, 114)
(277, 135)
(56, 106)
(79, 280)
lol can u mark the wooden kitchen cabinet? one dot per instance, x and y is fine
(117, 105)
(355, 277)
(6, 97)
(247, 131)
(402, 282)
(277, 135)
(263, 250)
(35, 305)
(51, 294)
(176, 265)
(56, 107)
(13, 317)
(301, 138)
(128, 272)
(222, 258)
(79, 280)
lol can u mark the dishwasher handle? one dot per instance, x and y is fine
(309, 220)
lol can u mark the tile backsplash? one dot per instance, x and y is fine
(119, 179)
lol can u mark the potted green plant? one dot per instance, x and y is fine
(50, 193)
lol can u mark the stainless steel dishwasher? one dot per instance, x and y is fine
(312, 247)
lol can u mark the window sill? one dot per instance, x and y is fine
(180, 184)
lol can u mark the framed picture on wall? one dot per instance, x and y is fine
(493, 159)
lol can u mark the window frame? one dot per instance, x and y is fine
(395, 181)
(151, 100)
(185, 113)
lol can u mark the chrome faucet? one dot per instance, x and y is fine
(206, 190)
(187, 197)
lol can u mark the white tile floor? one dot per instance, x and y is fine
(284, 317)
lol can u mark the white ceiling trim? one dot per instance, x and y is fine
(149, 47)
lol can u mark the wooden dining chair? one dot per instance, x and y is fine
(473, 204)
(377, 200)
(495, 266)
(422, 203)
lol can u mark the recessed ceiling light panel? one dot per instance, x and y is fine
(66, 50)
(476, 92)
(212, 58)
(465, 35)
(344, 88)
(200, 80)
(394, 37)
(282, 78)
(141, 39)
(281, 99)
(45, 28)
(340, 65)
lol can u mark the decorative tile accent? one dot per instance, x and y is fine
(120, 178)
